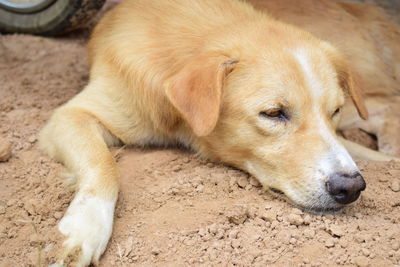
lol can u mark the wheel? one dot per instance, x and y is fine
(46, 17)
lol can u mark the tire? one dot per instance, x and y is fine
(47, 17)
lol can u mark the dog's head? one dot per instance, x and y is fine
(274, 114)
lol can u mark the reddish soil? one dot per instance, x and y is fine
(174, 208)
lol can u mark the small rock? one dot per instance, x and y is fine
(34, 239)
(177, 168)
(383, 178)
(237, 216)
(329, 243)
(233, 234)
(32, 139)
(57, 215)
(336, 231)
(11, 202)
(268, 215)
(310, 233)
(361, 261)
(236, 243)
(2, 209)
(242, 182)
(359, 238)
(267, 206)
(5, 150)
(155, 251)
(30, 208)
(307, 219)
(343, 243)
(395, 245)
(284, 237)
(295, 219)
(232, 181)
(296, 211)
(395, 186)
(366, 252)
(254, 182)
(213, 229)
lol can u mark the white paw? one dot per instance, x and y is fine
(87, 225)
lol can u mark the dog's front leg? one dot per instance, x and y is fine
(78, 140)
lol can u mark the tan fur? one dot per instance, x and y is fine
(370, 42)
(204, 74)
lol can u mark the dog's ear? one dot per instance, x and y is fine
(196, 91)
(351, 83)
(348, 80)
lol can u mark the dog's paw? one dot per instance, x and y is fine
(87, 226)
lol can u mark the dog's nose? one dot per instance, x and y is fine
(345, 188)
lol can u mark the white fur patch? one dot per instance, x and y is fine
(337, 159)
(87, 224)
(309, 74)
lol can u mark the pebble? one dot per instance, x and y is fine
(11, 202)
(307, 219)
(383, 178)
(268, 215)
(242, 182)
(236, 243)
(177, 168)
(366, 252)
(155, 251)
(233, 234)
(361, 261)
(343, 243)
(238, 216)
(284, 237)
(213, 228)
(395, 186)
(395, 245)
(34, 239)
(310, 233)
(57, 215)
(329, 243)
(295, 219)
(336, 231)
(254, 182)
(5, 150)
(30, 207)
(32, 139)
(2, 209)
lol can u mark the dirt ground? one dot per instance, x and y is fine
(174, 209)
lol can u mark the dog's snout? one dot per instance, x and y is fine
(345, 188)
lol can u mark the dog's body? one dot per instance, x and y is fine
(230, 82)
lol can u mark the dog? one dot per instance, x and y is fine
(222, 78)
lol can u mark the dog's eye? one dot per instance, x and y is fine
(274, 114)
(337, 111)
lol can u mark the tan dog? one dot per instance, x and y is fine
(218, 76)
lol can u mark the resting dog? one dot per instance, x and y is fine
(230, 82)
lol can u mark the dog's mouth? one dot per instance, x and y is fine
(313, 210)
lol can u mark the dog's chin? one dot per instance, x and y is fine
(319, 206)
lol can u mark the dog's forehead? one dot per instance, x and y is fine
(302, 75)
